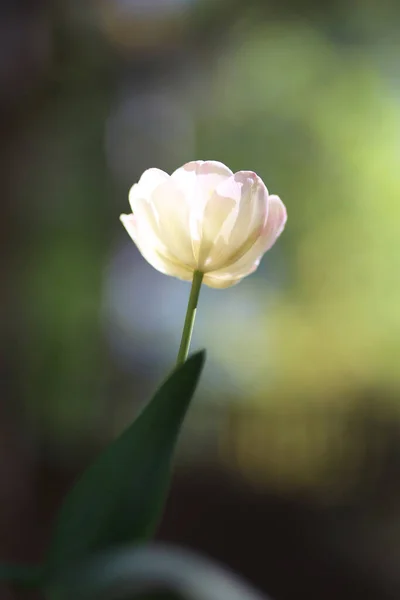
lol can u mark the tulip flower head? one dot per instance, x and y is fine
(204, 218)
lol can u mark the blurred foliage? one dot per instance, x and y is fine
(320, 125)
(304, 95)
(60, 262)
(300, 395)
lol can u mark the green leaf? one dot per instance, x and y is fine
(120, 496)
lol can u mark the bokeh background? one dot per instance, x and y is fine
(288, 465)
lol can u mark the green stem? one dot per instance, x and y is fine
(190, 317)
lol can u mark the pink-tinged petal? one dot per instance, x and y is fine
(233, 219)
(197, 180)
(276, 221)
(248, 263)
(148, 182)
(156, 255)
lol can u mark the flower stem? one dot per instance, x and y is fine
(190, 317)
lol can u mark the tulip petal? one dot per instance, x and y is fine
(152, 251)
(172, 213)
(249, 262)
(234, 218)
(277, 217)
(220, 283)
(198, 180)
(148, 182)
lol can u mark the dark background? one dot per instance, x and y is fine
(288, 464)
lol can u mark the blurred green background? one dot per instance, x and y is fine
(288, 467)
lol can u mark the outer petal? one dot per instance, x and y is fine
(198, 180)
(234, 218)
(220, 283)
(249, 262)
(172, 213)
(152, 250)
(148, 182)
(276, 221)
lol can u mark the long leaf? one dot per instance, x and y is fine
(137, 572)
(120, 497)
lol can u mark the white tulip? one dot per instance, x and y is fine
(204, 218)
